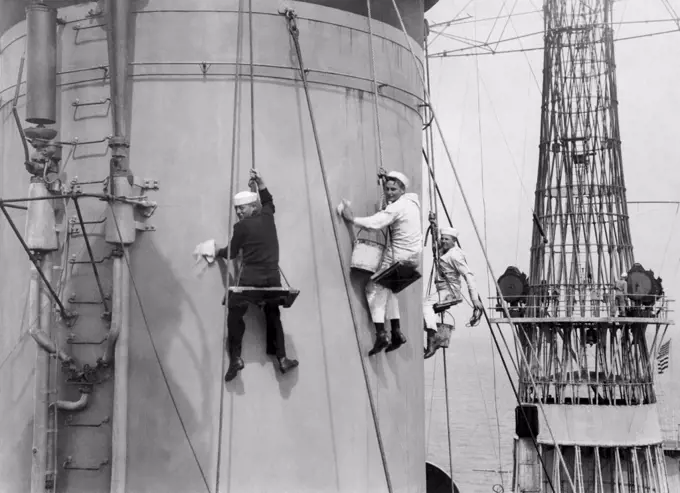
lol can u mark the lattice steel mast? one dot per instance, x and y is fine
(582, 327)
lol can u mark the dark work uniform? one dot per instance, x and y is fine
(256, 236)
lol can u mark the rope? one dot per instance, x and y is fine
(429, 137)
(294, 33)
(252, 84)
(155, 351)
(474, 224)
(375, 84)
(448, 419)
(486, 240)
(232, 182)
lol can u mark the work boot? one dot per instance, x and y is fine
(381, 339)
(381, 342)
(398, 338)
(432, 344)
(235, 366)
(286, 364)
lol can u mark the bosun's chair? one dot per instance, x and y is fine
(397, 276)
(442, 306)
(282, 296)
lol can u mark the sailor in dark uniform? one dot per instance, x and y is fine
(255, 236)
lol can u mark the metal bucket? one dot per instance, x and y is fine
(367, 255)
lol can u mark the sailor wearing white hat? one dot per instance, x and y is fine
(401, 177)
(452, 266)
(403, 218)
(255, 237)
(245, 198)
(620, 292)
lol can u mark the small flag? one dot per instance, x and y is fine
(662, 359)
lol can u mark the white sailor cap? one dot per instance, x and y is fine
(448, 232)
(243, 198)
(399, 176)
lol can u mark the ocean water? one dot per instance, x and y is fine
(482, 404)
(481, 408)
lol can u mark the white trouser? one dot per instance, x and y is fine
(431, 318)
(381, 300)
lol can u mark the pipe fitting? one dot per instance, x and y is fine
(47, 344)
(41, 71)
(78, 405)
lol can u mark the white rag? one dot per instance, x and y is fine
(204, 256)
(341, 207)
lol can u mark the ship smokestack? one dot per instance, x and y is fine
(41, 71)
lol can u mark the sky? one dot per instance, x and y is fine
(489, 110)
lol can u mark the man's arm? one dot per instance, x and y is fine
(377, 221)
(267, 201)
(236, 243)
(266, 198)
(461, 264)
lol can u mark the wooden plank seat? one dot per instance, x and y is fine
(444, 305)
(397, 276)
(284, 297)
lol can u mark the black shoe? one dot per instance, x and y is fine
(381, 342)
(429, 351)
(235, 366)
(286, 364)
(397, 340)
(432, 347)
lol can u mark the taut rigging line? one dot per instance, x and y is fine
(498, 348)
(295, 33)
(504, 306)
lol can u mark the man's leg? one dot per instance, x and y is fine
(430, 323)
(398, 338)
(275, 338)
(376, 296)
(428, 312)
(236, 328)
(276, 343)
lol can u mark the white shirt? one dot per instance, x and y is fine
(452, 266)
(404, 218)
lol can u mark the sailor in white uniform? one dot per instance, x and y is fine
(452, 267)
(403, 218)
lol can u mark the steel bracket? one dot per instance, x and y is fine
(69, 461)
(145, 183)
(144, 227)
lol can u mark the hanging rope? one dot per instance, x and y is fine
(294, 34)
(448, 419)
(155, 350)
(495, 340)
(486, 240)
(252, 84)
(488, 262)
(375, 87)
(232, 182)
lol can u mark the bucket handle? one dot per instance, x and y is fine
(361, 230)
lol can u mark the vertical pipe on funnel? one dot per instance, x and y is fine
(40, 412)
(41, 70)
(119, 14)
(50, 392)
(120, 389)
